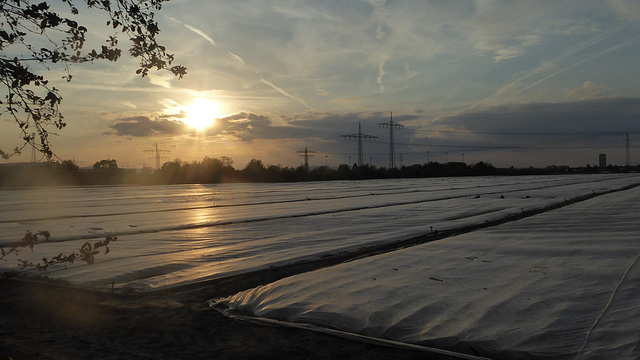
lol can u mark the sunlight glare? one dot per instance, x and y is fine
(201, 114)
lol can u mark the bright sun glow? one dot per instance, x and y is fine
(201, 114)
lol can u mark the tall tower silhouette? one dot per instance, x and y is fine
(306, 154)
(359, 136)
(33, 149)
(628, 155)
(392, 152)
(157, 157)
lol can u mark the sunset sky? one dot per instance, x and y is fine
(512, 83)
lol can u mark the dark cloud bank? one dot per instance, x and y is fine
(601, 115)
(582, 119)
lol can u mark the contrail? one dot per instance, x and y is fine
(574, 65)
(568, 53)
(281, 91)
(195, 30)
(236, 58)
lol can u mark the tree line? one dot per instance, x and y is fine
(214, 171)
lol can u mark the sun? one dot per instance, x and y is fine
(201, 114)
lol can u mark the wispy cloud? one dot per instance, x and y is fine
(129, 104)
(163, 80)
(381, 72)
(283, 92)
(195, 30)
(236, 58)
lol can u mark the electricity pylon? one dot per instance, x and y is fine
(360, 136)
(306, 154)
(392, 152)
(157, 157)
(33, 150)
(628, 155)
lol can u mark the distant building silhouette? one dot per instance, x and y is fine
(603, 160)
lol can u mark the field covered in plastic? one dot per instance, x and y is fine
(559, 284)
(563, 284)
(171, 235)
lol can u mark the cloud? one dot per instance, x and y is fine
(242, 126)
(128, 104)
(522, 43)
(160, 80)
(141, 126)
(589, 90)
(571, 58)
(381, 73)
(626, 8)
(578, 117)
(312, 127)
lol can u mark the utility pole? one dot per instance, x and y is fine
(628, 157)
(33, 150)
(157, 157)
(306, 154)
(360, 136)
(391, 125)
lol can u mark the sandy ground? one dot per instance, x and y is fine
(48, 321)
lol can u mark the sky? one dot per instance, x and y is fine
(512, 83)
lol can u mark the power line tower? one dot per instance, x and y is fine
(360, 136)
(628, 157)
(306, 153)
(157, 157)
(392, 152)
(33, 150)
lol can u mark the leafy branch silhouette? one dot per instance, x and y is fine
(86, 253)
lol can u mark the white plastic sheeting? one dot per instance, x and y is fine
(179, 234)
(563, 284)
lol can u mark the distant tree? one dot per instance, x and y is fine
(36, 36)
(210, 171)
(69, 165)
(255, 170)
(483, 168)
(227, 162)
(105, 165)
(323, 173)
(171, 172)
(343, 172)
(106, 172)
